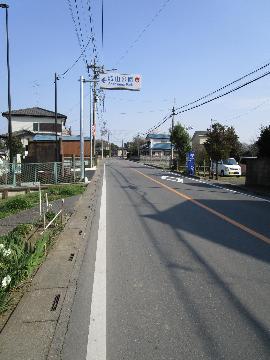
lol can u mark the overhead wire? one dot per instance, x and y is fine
(77, 60)
(207, 101)
(225, 86)
(91, 22)
(224, 94)
(165, 3)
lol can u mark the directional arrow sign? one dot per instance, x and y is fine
(171, 178)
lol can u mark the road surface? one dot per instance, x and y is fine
(172, 271)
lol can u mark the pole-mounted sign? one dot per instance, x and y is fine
(116, 81)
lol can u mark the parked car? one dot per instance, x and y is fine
(227, 167)
(243, 163)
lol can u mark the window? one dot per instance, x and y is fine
(35, 127)
(49, 127)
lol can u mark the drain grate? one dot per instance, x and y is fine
(55, 302)
(80, 232)
(71, 257)
(85, 217)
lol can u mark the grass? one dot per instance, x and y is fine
(18, 260)
(22, 202)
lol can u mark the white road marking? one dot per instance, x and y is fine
(171, 178)
(96, 347)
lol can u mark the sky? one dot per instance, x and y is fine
(182, 49)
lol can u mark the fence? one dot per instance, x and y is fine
(165, 163)
(20, 174)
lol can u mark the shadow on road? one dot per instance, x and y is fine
(189, 218)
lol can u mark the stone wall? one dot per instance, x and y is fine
(258, 172)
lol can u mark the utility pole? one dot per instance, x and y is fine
(96, 71)
(122, 149)
(6, 6)
(90, 118)
(109, 144)
(102, 147)
(81, 129)
(138, 145)
(55, 116)
(173, 113)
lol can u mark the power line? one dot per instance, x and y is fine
(208, 101)
(76, 61)
(249, 110)
(91, 22)
(73, 18)
(165, 3)
(81, 36)
(224, 94)
(225, 86)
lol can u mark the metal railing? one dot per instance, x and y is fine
(23, 174)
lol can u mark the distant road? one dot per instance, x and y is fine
(187, 270)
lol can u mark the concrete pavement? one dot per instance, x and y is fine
(183, 283)
(37, 327)
(187, 274)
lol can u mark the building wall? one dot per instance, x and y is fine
(157, 141)
(44, 151)
(198, 140)
(70, 148)
(26, 122)
(258, 172)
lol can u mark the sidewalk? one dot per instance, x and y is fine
(37, 327)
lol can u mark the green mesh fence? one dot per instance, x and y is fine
(44, 173)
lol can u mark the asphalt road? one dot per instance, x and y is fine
(187, 272)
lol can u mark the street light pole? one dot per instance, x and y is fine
(5, 6)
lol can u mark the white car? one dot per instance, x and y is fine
(227, 167)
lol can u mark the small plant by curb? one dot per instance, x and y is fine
(19, 258)
(27, 201)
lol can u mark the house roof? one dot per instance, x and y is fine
(158, 136)
(35, 112)
(161, 146)
(44, 137)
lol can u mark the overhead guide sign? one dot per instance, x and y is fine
(116, 81)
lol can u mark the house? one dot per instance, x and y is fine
(122, 152)
(198, 139)
(26, 123)
(42, 148)
(157, 145)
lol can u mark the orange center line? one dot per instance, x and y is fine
(212, 211)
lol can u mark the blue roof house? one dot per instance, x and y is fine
(158, 145)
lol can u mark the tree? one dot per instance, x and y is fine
(114, 149)
(134, 145)
(16, 146)
(263, 142)
(181, 141)
(222, 142)
(201, 155)
(249, 149)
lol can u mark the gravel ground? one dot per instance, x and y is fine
(32, 215)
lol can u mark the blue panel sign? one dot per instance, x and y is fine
(190, 163)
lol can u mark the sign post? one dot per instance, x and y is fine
(116, 81)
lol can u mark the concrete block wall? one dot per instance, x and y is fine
(258, 172)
